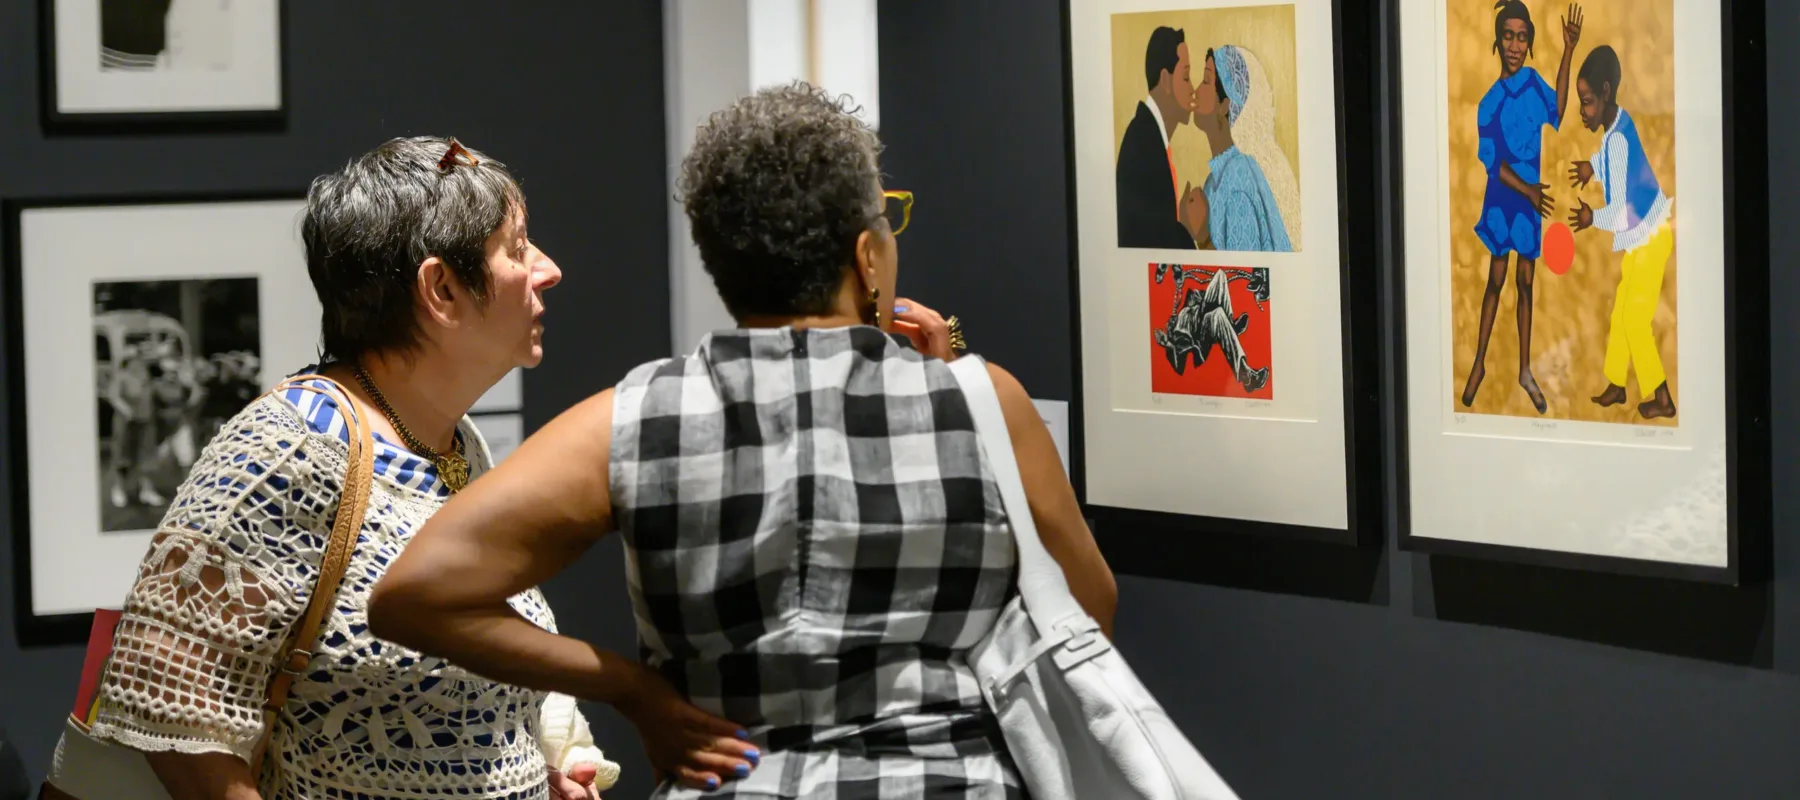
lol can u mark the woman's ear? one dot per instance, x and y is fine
(438, 290)
(866, 242)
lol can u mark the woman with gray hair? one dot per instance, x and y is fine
(432, 290)
(815, 536)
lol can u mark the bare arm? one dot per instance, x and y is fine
(1053, 506)
(513, 529)
(1571, 36)
(204, 776)
(1542, 202)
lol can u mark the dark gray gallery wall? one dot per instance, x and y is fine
(1307, 672)
(568, 94)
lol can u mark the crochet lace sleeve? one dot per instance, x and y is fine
(227, 574)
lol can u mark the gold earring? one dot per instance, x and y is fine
(875, 303)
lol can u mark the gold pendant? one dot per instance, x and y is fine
(454, 470)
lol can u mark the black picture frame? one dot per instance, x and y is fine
(55, 121)
(1139, 542)
(37, 630)
(1749, 488)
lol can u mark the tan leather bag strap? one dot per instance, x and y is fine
(353, 506)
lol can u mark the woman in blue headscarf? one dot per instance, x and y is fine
(1511, 117)
(1251, 194)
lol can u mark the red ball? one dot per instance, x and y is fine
(1559, 248)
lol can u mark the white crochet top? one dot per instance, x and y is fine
(229, 573)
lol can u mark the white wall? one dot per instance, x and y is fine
(844, 51)
(778, 42)
(716, 51)
(706, 58)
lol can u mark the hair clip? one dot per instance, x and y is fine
(449, 160)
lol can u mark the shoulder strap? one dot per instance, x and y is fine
(353, 505)
(1041, 579)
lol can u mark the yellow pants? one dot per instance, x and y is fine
(1629, 340)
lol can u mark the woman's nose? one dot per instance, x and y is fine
(546, 273)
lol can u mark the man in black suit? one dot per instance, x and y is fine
(1145, 176)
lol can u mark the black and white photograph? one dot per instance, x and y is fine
(148, 63)
(150, 35)
(173, 361)
(134, 328)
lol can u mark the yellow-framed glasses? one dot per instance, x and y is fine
(897, 208)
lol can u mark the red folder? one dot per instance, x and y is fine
(99, 651)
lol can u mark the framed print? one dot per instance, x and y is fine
(162, 62)
(1223, 208)
(120, 369)
(1586, 324)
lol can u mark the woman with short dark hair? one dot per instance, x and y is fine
(432, 291)
(815, 537)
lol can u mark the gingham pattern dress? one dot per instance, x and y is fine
(814, 542)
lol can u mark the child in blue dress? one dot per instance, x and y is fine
(1511, 118)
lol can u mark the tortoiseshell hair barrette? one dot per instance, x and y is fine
(450, 160)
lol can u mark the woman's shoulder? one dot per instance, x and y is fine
(648, 371)
(286, 444)
(660, 382)
(312, 398)
(260, 495)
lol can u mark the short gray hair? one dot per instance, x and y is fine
(370, 224)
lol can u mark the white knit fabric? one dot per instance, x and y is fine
(567, 742)
(228, 575)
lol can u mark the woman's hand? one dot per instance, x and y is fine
(576, 784)
(929, 333)
(1534, 192)
(1541, 201)
(1194, 213)
(1571, 24)
(683, 742)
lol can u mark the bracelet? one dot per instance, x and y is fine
(958, 345)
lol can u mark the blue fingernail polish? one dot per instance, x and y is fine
(743, 734)
(754, 756)
(712, 783)
(743, 770)
(900, 309)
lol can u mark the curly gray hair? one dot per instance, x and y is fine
(778, 187)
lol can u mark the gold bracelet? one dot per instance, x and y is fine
(958, 345)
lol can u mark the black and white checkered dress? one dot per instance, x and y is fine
(815, 540)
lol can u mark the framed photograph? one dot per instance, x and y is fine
(162, 62)
(1223, 208)
(134, 330)
(1585, 285)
